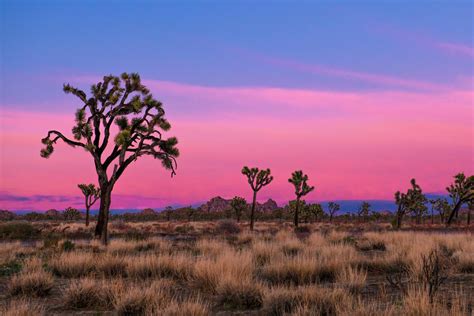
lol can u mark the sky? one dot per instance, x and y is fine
(360, 95)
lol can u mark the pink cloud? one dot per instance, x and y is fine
(353, 145)
(456, 48)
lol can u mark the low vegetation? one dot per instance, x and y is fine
(328, 270)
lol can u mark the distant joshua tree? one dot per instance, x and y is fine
(299, 180)
(333, 208)
(364, 210)
(91, 195)
(71, 214)
(239, 206)
(414, 199)
(257, 180)
(461, 192)
(127, 103)
(312, 210)
(440, 205)
(168, 211)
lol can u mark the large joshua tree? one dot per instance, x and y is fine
(91, 195)
(299, 180)
(413, 200)
(139, 119)
(461, 192)
(257, 180)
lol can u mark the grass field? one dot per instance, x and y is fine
(209, 268)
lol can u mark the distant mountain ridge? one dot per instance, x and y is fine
(216, 203)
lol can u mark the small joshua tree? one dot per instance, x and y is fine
(140, 119)
(461, 192)
(412, 200)
(364, 210)
(299, 180)
(312, 210)
(419, 209)
(257, 180)
(443, 208)
(91, 195)
(71, 214)
(333, 208)
(239, 206)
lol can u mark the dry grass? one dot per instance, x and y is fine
(270, 272)
(22, 307)
(35, 283)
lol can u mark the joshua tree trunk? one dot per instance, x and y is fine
(103, 218)
(454, 212)
(87, 215)
(252, 212)
(469, 217)
(399, 219)
(296, 220)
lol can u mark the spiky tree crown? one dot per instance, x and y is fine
(257, 178)
(238, 203)
(140, 120)
(364, 208)
(462, 189)
(333, 207)
(413, 200)
(89, 189)
(299, 180)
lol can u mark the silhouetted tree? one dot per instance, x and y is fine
(461, 192)
(312, 210)
(441, 205)
(419, 209)
(257, 180)
(91, 195)
(470, 207)
(140, 120)
(364, 210)
(299, 180)
(413, 199)
(333, 208)
(239, 206)
(168, 212)
(71, 214)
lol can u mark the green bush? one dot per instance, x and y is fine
(10, 268)
(18, 230)
(67, 245)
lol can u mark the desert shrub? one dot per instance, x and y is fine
(51, 240)
(187, 308)
(136, 235)
(184, 229)
(299, 270)
(18, 230)
(36, 283)
(164, 266)
(6, 215)
(67, 245)
(227, 226)
(138, 300)
(71, 214)
(22, 307)
(282, 300)
(10, 267)
(369, 245)
(83, 293)
(303, 230)
(73, 264)
(239, 294)
(352, 279)
(111, 266)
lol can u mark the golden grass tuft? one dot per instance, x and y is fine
(22, 307)
(35, 283)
